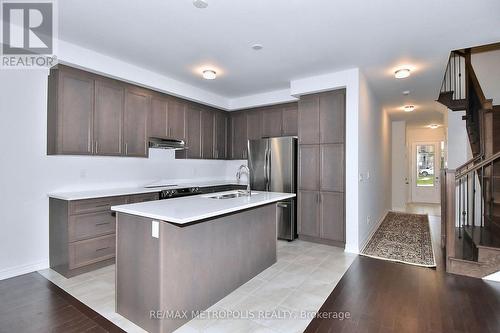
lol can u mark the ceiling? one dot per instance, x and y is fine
(300, 38)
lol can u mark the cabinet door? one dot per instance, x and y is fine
(290, 118)
(75, 105)
(254, 125)
(207, 133)
(137, 105)
(221, 124)
(158, 122)
(309, 119)
(309, 167)
(308, 213)
(193, 131)
(332, 116)
(332, 216)
(108, 118)
(239, 136)
(176, 119)
(332, 167)
(271, 122)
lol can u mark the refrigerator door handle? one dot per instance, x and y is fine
(268, 168)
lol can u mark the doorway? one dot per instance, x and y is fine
(425, 170)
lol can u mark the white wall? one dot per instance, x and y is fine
(458, 151)
(399, 166)
(27, 174)
(348, 79)
(374, 155)
(487, 68)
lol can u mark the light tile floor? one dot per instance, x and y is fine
(273, 301)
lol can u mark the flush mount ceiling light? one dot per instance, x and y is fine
(433, 126)
(402, 73)
(257, 47)
(209, 74)
(409, 108)
(200, 3)
(406, 92)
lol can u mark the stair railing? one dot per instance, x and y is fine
(454, 78)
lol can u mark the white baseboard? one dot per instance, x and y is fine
(493, 277)
(372, 231)
(23, 269)
(399, 209)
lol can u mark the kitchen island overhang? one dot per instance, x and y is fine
(166, 268)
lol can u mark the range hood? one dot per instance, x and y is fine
(161, 143)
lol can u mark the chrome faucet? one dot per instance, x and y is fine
(241, 170)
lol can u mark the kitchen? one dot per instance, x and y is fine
(90, 114)
(115, 141)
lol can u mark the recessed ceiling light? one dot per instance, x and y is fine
(402, 73)
(433, 126)
(409, 108)
(200, 3)
(406, 92)
(257, 47)
(209, 74)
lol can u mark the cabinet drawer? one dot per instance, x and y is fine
(143, 197)
(91, 251)
(95, 205)
(91, 225)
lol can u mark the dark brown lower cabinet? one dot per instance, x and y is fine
(309, 213)
(321, 216)
(332, 216)
(82, 232)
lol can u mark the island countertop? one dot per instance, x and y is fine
(199, 207)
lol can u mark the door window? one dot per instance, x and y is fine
(425, 165)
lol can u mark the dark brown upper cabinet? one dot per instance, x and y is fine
(272, 122)
(332, 116)
(332, 161)
(207, 133)
(108, 117)
(70, 112)
(290, 120)
(159, 111)
(309, 119)
(254, 124)
(176, 119)
(239, 135)
(309, 176)
(193, 131)
(221, 134)
(137, 110)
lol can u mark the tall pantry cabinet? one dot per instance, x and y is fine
(321, 194)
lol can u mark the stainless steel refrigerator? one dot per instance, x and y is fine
(273, 168)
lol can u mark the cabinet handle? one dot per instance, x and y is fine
(103, 223)
(126, 148)
(102, 249)
(96, 146)
(89, 146)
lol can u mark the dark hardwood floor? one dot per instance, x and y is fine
(31, 303)
(386, 297)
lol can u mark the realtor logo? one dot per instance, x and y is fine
(28, 34)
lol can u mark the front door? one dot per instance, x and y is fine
(425, 170)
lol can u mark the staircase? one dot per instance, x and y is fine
(471, 193)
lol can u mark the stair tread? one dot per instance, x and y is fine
(482, 236)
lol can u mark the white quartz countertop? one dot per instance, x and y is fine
(198, 207)
(111, 192)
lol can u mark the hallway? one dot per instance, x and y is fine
(382, 296)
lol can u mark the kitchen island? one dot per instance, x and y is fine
(179, 256)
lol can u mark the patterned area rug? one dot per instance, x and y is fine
(403, 238)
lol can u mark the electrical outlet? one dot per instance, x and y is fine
(368, 220)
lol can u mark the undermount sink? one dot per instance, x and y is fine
(231, 195)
